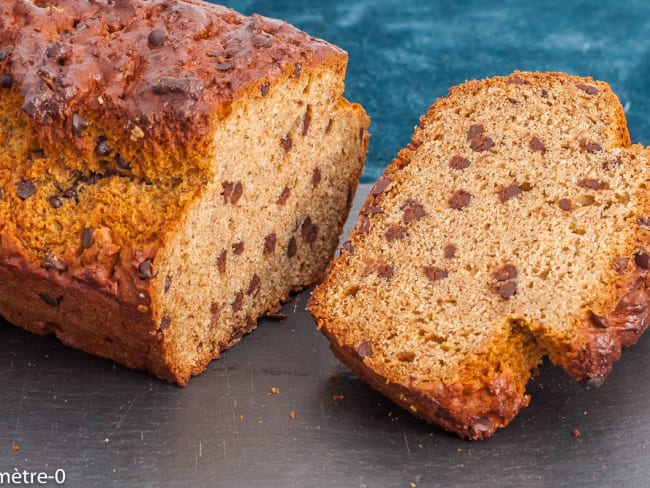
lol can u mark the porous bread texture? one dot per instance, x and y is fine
(163, 245)
(513, 227)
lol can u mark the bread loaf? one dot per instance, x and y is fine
(169, 172)
(514, 226)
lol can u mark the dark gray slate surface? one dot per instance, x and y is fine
(405, 54)
(109, 426)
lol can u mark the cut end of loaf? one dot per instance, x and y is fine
(155, 214)
(269, 221)
(511, 228)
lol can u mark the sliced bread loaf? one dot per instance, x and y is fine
(169, 172)
(513, 227)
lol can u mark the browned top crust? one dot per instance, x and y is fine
(160, 65)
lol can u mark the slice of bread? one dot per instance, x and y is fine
(513, 227)
(169, 172)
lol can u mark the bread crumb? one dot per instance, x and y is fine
(15, 448)
(260, 421)
(413, 485)
(241, 417)
(292, 414)
(274, 391)
(459, 449)
(334, 375)
(584, 412)
(337, 397)
(575, 432)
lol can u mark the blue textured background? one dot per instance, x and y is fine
(403, 55)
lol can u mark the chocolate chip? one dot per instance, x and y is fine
(263, 40)
(79, 124)
(330, 123)
(297, 69)
(592, 184)
(598, 321)
(50, 300)
(168, 283)
(395, 233)
(514, 101)
(269, 243)
(227, 191)
(380, 185)
(156, 37)
(507, 272)
(611, 164)
(592, 383)
(254, 286)
(308, 230)
(517, 80)
(536, 145)
(564, 203)
(237, 303)
(238, 248)
(121, 162)
(145, 270)
(590, 146)
(413, 211)
(25, 189)
(215, 310)
(474, 131)
(433, 273)
(347, 246)
(385, 271)
(264, 88)
(364, 349)
(236, 193)
(315, 177)
(543, 93)
(481, 427)
(459, 162)
(363, 225)
(165, 322)
(292, 247)
(620, 265)
(507, 289)
(284, 196)
(306, 120)
(71, 192)
(459, 200)
(221, 261)
(588, 89)
(641, 259)
(223, 67)
(481, 143)
(449, 251)
(643, 222)
(86, 238)
(286, 143)
(6, 81)
(50, 261)
(372, 210)
(509, 192)
(102, 148)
